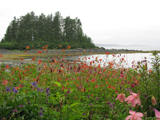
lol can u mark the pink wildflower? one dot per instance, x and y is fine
(134, 99)
(134, 116)
(157, 114)
(121, 97)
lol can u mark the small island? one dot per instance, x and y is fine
(37, 31)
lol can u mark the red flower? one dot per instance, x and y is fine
(44, 49)
(96, 86)
(46, 46)
(7, 66)
(33, 59)
(20, 85)
(17, 88)
(100, 60)
(60, 46)
(68, 47)
(39, 61)
(27, 47)
(110, 86)
(22, 59)
(5, 82)
(93, 80)
(107, 53)
(39, 51)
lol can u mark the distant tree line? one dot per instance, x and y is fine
(37, 31)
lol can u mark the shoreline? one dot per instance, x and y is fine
(13, 57)
(75, 51)
(16, 55)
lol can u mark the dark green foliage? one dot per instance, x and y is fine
(38, 31)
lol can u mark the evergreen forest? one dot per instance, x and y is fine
(37, 31)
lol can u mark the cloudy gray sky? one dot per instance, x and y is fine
(105, 21)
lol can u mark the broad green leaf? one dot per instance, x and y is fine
(72, 105)
(57, 83)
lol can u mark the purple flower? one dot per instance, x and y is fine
(53, 60)
(61, 65)
(145, 95)
(83, 114)
(41, 108)
(8, 89)
(111, 105)
(97, 98)
(47, 90)
(15, 110)
(129, 89)
(78, 87)
(90, 104)
(38, 89)
(41, 90)
(14, 90)
(71, 67)
(40, 113)
(78, 69)
(68, 91)
(21, 106)
(62, 60)
(34, 84)
(143, 61)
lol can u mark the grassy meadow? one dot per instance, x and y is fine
(61, 90)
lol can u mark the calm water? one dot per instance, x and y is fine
(125, 60)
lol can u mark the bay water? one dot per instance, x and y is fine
(127, 60)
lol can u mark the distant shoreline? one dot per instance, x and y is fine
(129, 47)
(100, 50)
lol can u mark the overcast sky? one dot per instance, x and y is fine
(105, 21)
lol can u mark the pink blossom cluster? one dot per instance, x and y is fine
(134, 99)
